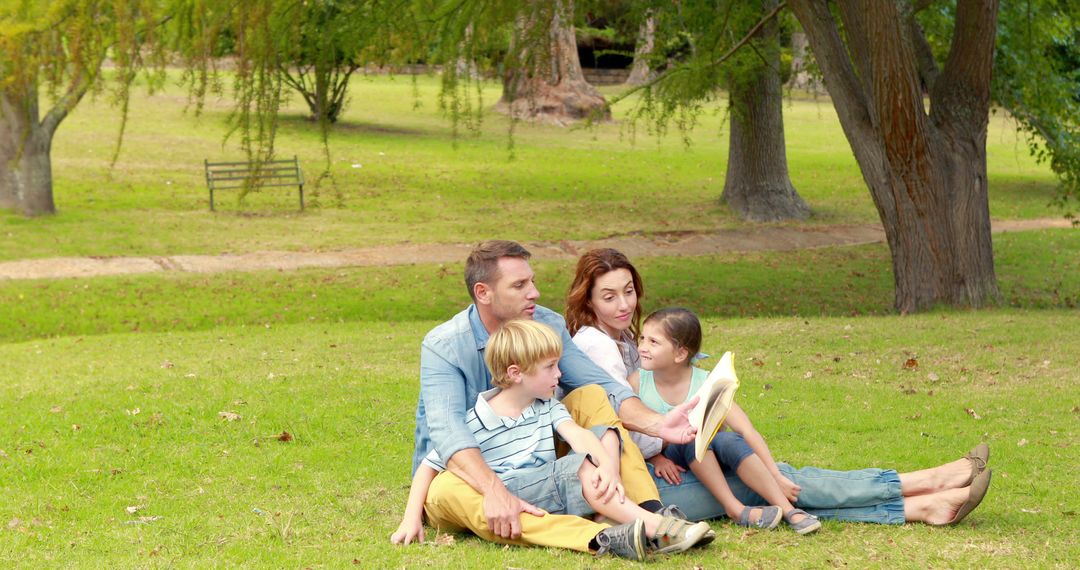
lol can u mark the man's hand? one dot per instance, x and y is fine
(502, 510)
(667, 469)
(607, 484)
(788, 488)
(675, 425)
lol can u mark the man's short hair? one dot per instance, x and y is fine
(482, 266)
(522, 342)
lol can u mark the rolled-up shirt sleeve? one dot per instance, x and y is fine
(442, 387)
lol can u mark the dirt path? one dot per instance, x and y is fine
(766, 238)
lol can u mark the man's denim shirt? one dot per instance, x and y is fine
(453, 373)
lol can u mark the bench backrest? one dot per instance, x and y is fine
(241, 174)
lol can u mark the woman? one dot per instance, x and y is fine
(603, 304)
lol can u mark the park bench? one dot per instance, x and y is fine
(225, 175)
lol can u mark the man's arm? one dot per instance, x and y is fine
(442, 386)
(672, 427)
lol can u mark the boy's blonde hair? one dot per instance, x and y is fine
(521, 342)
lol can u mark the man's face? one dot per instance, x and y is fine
(513, 295)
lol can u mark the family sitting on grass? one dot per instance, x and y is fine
(487, 461)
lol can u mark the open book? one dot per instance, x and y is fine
(717, 395)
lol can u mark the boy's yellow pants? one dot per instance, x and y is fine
(452, 505)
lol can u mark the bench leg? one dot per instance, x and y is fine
(211, 199)
(301, 197)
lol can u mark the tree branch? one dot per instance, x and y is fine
(727, 55)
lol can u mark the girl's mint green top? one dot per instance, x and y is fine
(650, 397)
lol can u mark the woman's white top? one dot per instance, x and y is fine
(618, 359)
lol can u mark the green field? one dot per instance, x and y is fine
(413, 184)
(114, 451)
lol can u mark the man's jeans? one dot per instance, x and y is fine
(865, 495)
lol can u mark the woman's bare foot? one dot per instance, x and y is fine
(953, 475)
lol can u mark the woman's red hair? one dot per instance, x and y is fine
(592, 265)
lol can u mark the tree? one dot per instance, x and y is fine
(926, 170)
(543, 78)
(323, 42)
(640, 71)
(758, 186)
(51, 56)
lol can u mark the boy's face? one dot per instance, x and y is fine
(541, 381)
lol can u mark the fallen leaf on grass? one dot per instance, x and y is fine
(14, 523)
(808, 375)
(932, 377)
(75, 427)
(911, 364)
(229, 416)
(444, 540)
(1021, 443)
(133, 509)
(167, 364)
(133, 412)
(1031, 511)
(3, 454)
(973, 413)
(56, 409)
(284, 437)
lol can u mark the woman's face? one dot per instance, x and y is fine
(613, 300)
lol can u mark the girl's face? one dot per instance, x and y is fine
(656, 349)
(613, 300)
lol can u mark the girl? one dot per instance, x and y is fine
(603, 315)
(670, 340)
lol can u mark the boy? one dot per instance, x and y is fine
(514, 424)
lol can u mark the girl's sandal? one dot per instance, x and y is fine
(808, 524)
(770, 517)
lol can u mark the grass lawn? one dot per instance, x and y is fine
(143, 415)
(120, 407)
(398, 177)
(103, 425)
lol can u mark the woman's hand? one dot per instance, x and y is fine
(667, 469)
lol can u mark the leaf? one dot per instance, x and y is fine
(911, 364)
(284, 437)
(932, 377)
(443, 539)
(133, 509)
(4, 455)
(75, 427)
(133, 412)
(973, 413)
(1021, 443)
(808, 375)
(56, 409)
(229, 416)
(167, 364)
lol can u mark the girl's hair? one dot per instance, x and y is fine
(682, 328)
(593, 265)
(521, 342)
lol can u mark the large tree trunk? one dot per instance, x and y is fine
(640, 73)
(25, 163)
(926, 172)
(757, 186)
(546, 82)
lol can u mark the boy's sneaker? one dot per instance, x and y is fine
(626, 540)
(677, 535)
(674, 511)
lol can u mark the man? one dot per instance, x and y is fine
(452, 373)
